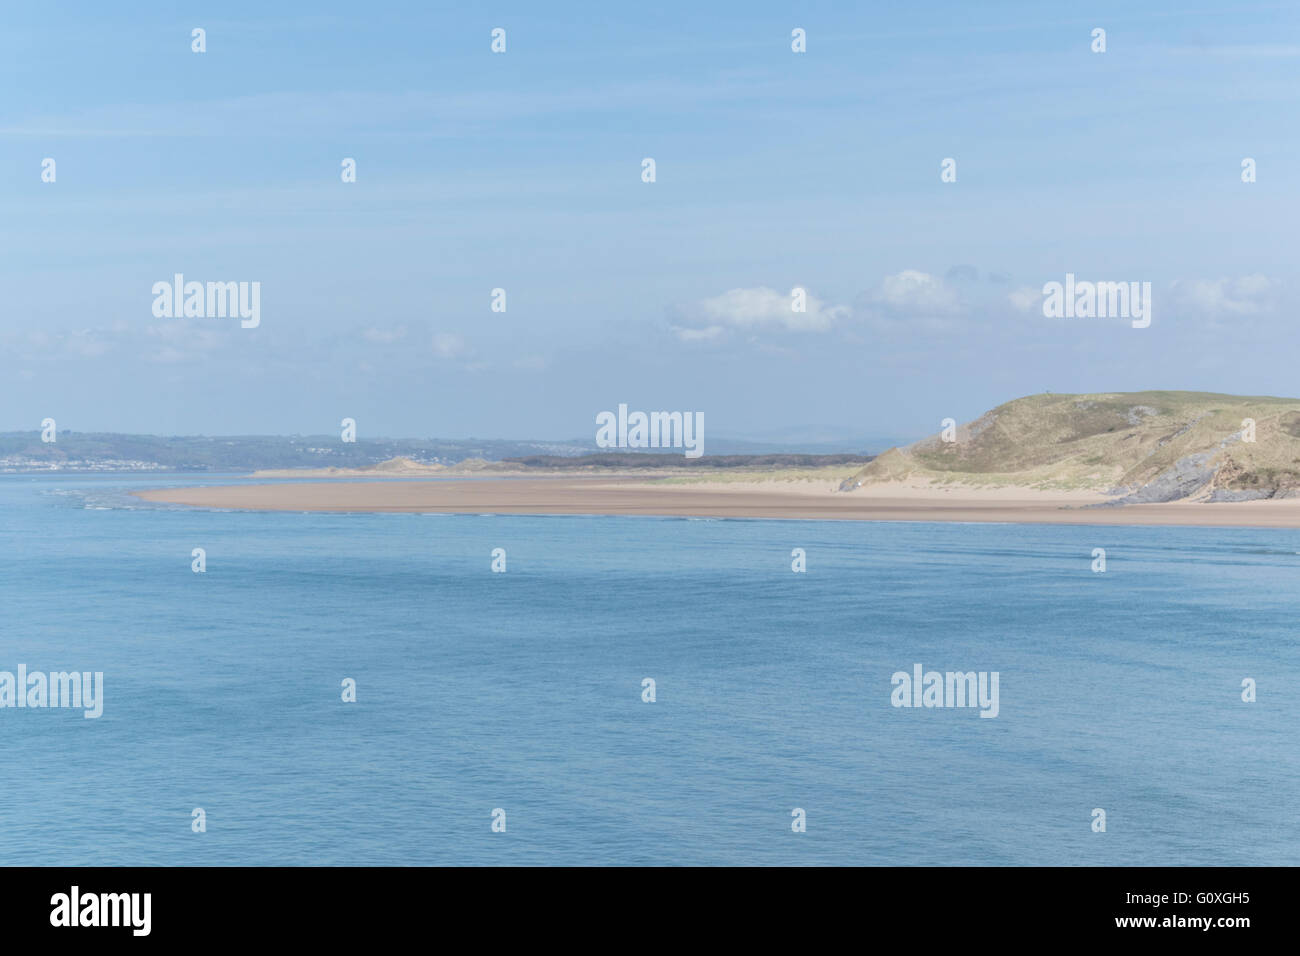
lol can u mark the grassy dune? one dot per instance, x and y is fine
(1137, 446)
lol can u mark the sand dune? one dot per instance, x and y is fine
(1142, 447)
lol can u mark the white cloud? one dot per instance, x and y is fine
(167, 355)
(385, 336)
(911, 292)
(707, 334)
(1026, 299)
(1246, 295)
(182, 340)
(448, 345)
(175, 340)
(86, 343)
(759, 307)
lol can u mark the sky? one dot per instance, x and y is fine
(522, 171)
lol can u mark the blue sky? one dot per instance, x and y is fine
(522, 171)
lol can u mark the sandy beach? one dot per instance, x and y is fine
(750, 499)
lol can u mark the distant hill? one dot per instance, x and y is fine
(789, 467)
(1135, 446)
(306, 455)
(90, 451)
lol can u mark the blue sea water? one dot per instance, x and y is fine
(522, 690)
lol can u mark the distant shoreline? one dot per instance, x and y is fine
(793, 500)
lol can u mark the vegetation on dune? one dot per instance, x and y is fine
(1142, 446)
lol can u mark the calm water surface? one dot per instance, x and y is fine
(522, 690)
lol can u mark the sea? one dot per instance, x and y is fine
(505, 717)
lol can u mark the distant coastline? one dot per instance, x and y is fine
(784, 466)
(1136, 458)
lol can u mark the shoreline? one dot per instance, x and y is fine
(808, 500)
